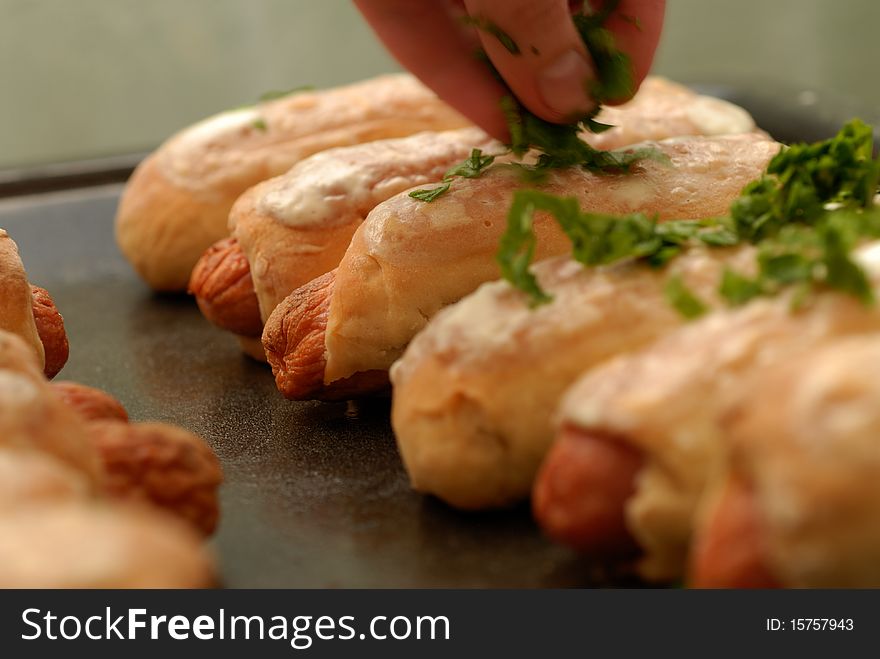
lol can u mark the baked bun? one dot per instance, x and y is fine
(803, 460)
(475, 391)
(177, 201)
(664, 402)
(409, 258)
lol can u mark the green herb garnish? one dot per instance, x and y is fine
(260, 124)
(810, 256)
(430, 194)
(803, 178)
(807, 213)
(473, 167)
(683, 299)
(560, 145)
(614, 72)
(597, 238)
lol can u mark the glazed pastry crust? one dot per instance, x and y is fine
(646, 398)
(803, 434)
(177, 202)
(475, 391)
(409, 258)
(661, 109)
(296, 226)
(16, 300)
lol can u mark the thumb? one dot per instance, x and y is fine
(539, 53)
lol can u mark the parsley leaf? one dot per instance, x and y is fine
(517, 248)
(803, 179)
(473, 167)
(683, 299)
(597, 238)
(812, 207)
(737, 289)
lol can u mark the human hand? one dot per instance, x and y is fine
(549, 72)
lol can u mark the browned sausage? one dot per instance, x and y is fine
(727, 550)
(162, 465)
(91, 404)
(224, 290)
(581, 492)
(50, 327)
(294, 343)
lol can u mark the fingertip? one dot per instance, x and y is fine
(549, 69)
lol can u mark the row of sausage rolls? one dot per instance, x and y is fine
(295, 227)
(338, 335)
(128, 502)
(643, 436)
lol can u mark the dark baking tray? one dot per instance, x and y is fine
(315, 494)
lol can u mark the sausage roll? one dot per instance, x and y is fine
(177, 202)
(649, 419)
(339, 334)
(798, 499)
(475, 390)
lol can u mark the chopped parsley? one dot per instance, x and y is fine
(260, 124)
(470, 168)
(807, 213)
(803, 179)
(683, 299)
(560, 145)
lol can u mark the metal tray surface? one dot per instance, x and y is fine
(315, 493)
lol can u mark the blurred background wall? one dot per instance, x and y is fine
(90, 78)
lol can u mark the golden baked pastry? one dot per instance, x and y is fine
(662, 404)
(177, 201)
(797, 502)
(475, 391)
(409, 258)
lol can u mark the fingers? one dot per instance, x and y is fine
(426, 38)
(533, 44)
(544, 61)
(636, 25)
